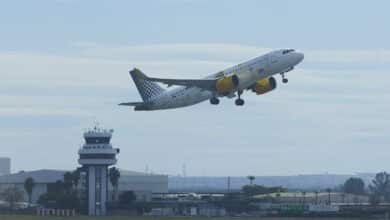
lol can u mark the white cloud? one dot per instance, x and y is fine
(83, 44)
(110, 64)
(225, 52)
(219, 52)
(35, 66)
(338, 107)
(349, 56)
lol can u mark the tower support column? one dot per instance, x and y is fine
(97, 190)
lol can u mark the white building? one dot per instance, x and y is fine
(5, 166)
(41, 179)
(137, 181)
(142, 184)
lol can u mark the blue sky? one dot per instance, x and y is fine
(64, 63)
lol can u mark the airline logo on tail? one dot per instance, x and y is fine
(146, 89)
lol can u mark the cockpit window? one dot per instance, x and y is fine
(287, 51)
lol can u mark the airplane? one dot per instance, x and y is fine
(256, 75)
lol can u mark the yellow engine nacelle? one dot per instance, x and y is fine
(264, 85)
(226, 84)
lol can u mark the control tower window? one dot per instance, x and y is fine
(287, 51)
(97, 156)
(97, 140)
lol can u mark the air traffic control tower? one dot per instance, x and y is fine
(95, 156)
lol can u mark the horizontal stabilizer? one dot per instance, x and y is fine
(131, 103)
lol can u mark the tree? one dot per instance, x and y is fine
(68, 181)
(12, 196)
(29, 184)
(76, 177)
(126, 198)
(63, 200)
(56, 187)
(60, 195)
(251, 190)
(380, 188)
(354, 185)
(251, 179)
(114, 175)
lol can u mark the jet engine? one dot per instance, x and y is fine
(264, 85)
(227, 84)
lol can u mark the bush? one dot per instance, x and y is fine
(127, 198)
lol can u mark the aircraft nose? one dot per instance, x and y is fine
(299, 57)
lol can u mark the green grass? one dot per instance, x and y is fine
(26, 217)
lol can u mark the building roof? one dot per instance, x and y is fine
(39, 176)
(301, 194)
(51, 176)
(286, 194)
(135, 173)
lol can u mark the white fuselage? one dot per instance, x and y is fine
(253, 70)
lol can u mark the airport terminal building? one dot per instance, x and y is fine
(142, 184)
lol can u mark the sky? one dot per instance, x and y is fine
(64, 66)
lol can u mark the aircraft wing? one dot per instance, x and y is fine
(208, 84)
(131, 103)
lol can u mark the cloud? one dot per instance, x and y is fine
(36, 66)
(214, 52)
(225, 52)
(320, 109)
(65, 1)
(99, 64)
(95, 76)
(349, 56)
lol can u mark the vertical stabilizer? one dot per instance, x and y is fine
(146, 89)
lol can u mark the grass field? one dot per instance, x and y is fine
(24, 217)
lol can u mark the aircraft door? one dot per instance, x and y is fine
(272, 58)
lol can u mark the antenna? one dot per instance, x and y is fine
(96, 125)
(184, 170)
(147, 169)
(228, 184)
